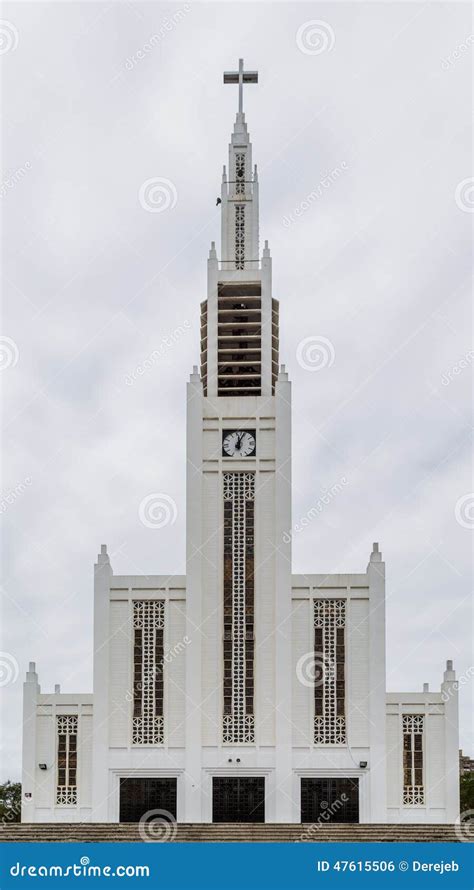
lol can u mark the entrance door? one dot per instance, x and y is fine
(139, 796)
(330, 800)
(239, 799)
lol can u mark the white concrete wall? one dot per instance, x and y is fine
(440, 754)
(40, 746)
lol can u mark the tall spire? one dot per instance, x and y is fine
(239, 192)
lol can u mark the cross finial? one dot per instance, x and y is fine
(241, 77)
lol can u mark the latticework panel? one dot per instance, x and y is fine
(238, 719)
(240, 173)
(239, 236)
(413, 783)
(329, 680)
(66, 787)
(148, 660)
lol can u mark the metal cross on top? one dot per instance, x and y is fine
(241, 77)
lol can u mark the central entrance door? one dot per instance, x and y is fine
(329, 800)
(139, 796)
(239, 799)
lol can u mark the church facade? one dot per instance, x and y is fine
(240, 692)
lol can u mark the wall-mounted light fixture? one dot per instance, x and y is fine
(363, 764)
(43, 765)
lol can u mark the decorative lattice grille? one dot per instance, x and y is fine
(148, 629)
(240, 173)
(66, 788)
(239, 236)
(413, 787)
(329, 686)
(238, 719)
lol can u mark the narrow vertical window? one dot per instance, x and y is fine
(66, 788)
(329, 681)
(238, 718)
(240, 173)
(148, 659)
(239, 236)
(413, 782)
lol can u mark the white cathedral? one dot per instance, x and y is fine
(240, 692)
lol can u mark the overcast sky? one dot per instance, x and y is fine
(378, 263)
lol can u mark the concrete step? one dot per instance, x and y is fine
(229, 833)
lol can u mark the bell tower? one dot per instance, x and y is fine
(238, 590)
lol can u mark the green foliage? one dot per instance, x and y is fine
(467, 792)
(10, 802)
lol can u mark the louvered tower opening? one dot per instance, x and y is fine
(239, 339)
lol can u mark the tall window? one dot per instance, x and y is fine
(239, 236)
(329, 682)
(413, 785)
(148, 627)
(66, 789)
(240, 173)
(239, 496)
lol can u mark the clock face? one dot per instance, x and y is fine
(238, 443)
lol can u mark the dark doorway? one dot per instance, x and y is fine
(139, 796)
(329, 800)
(240, 799)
